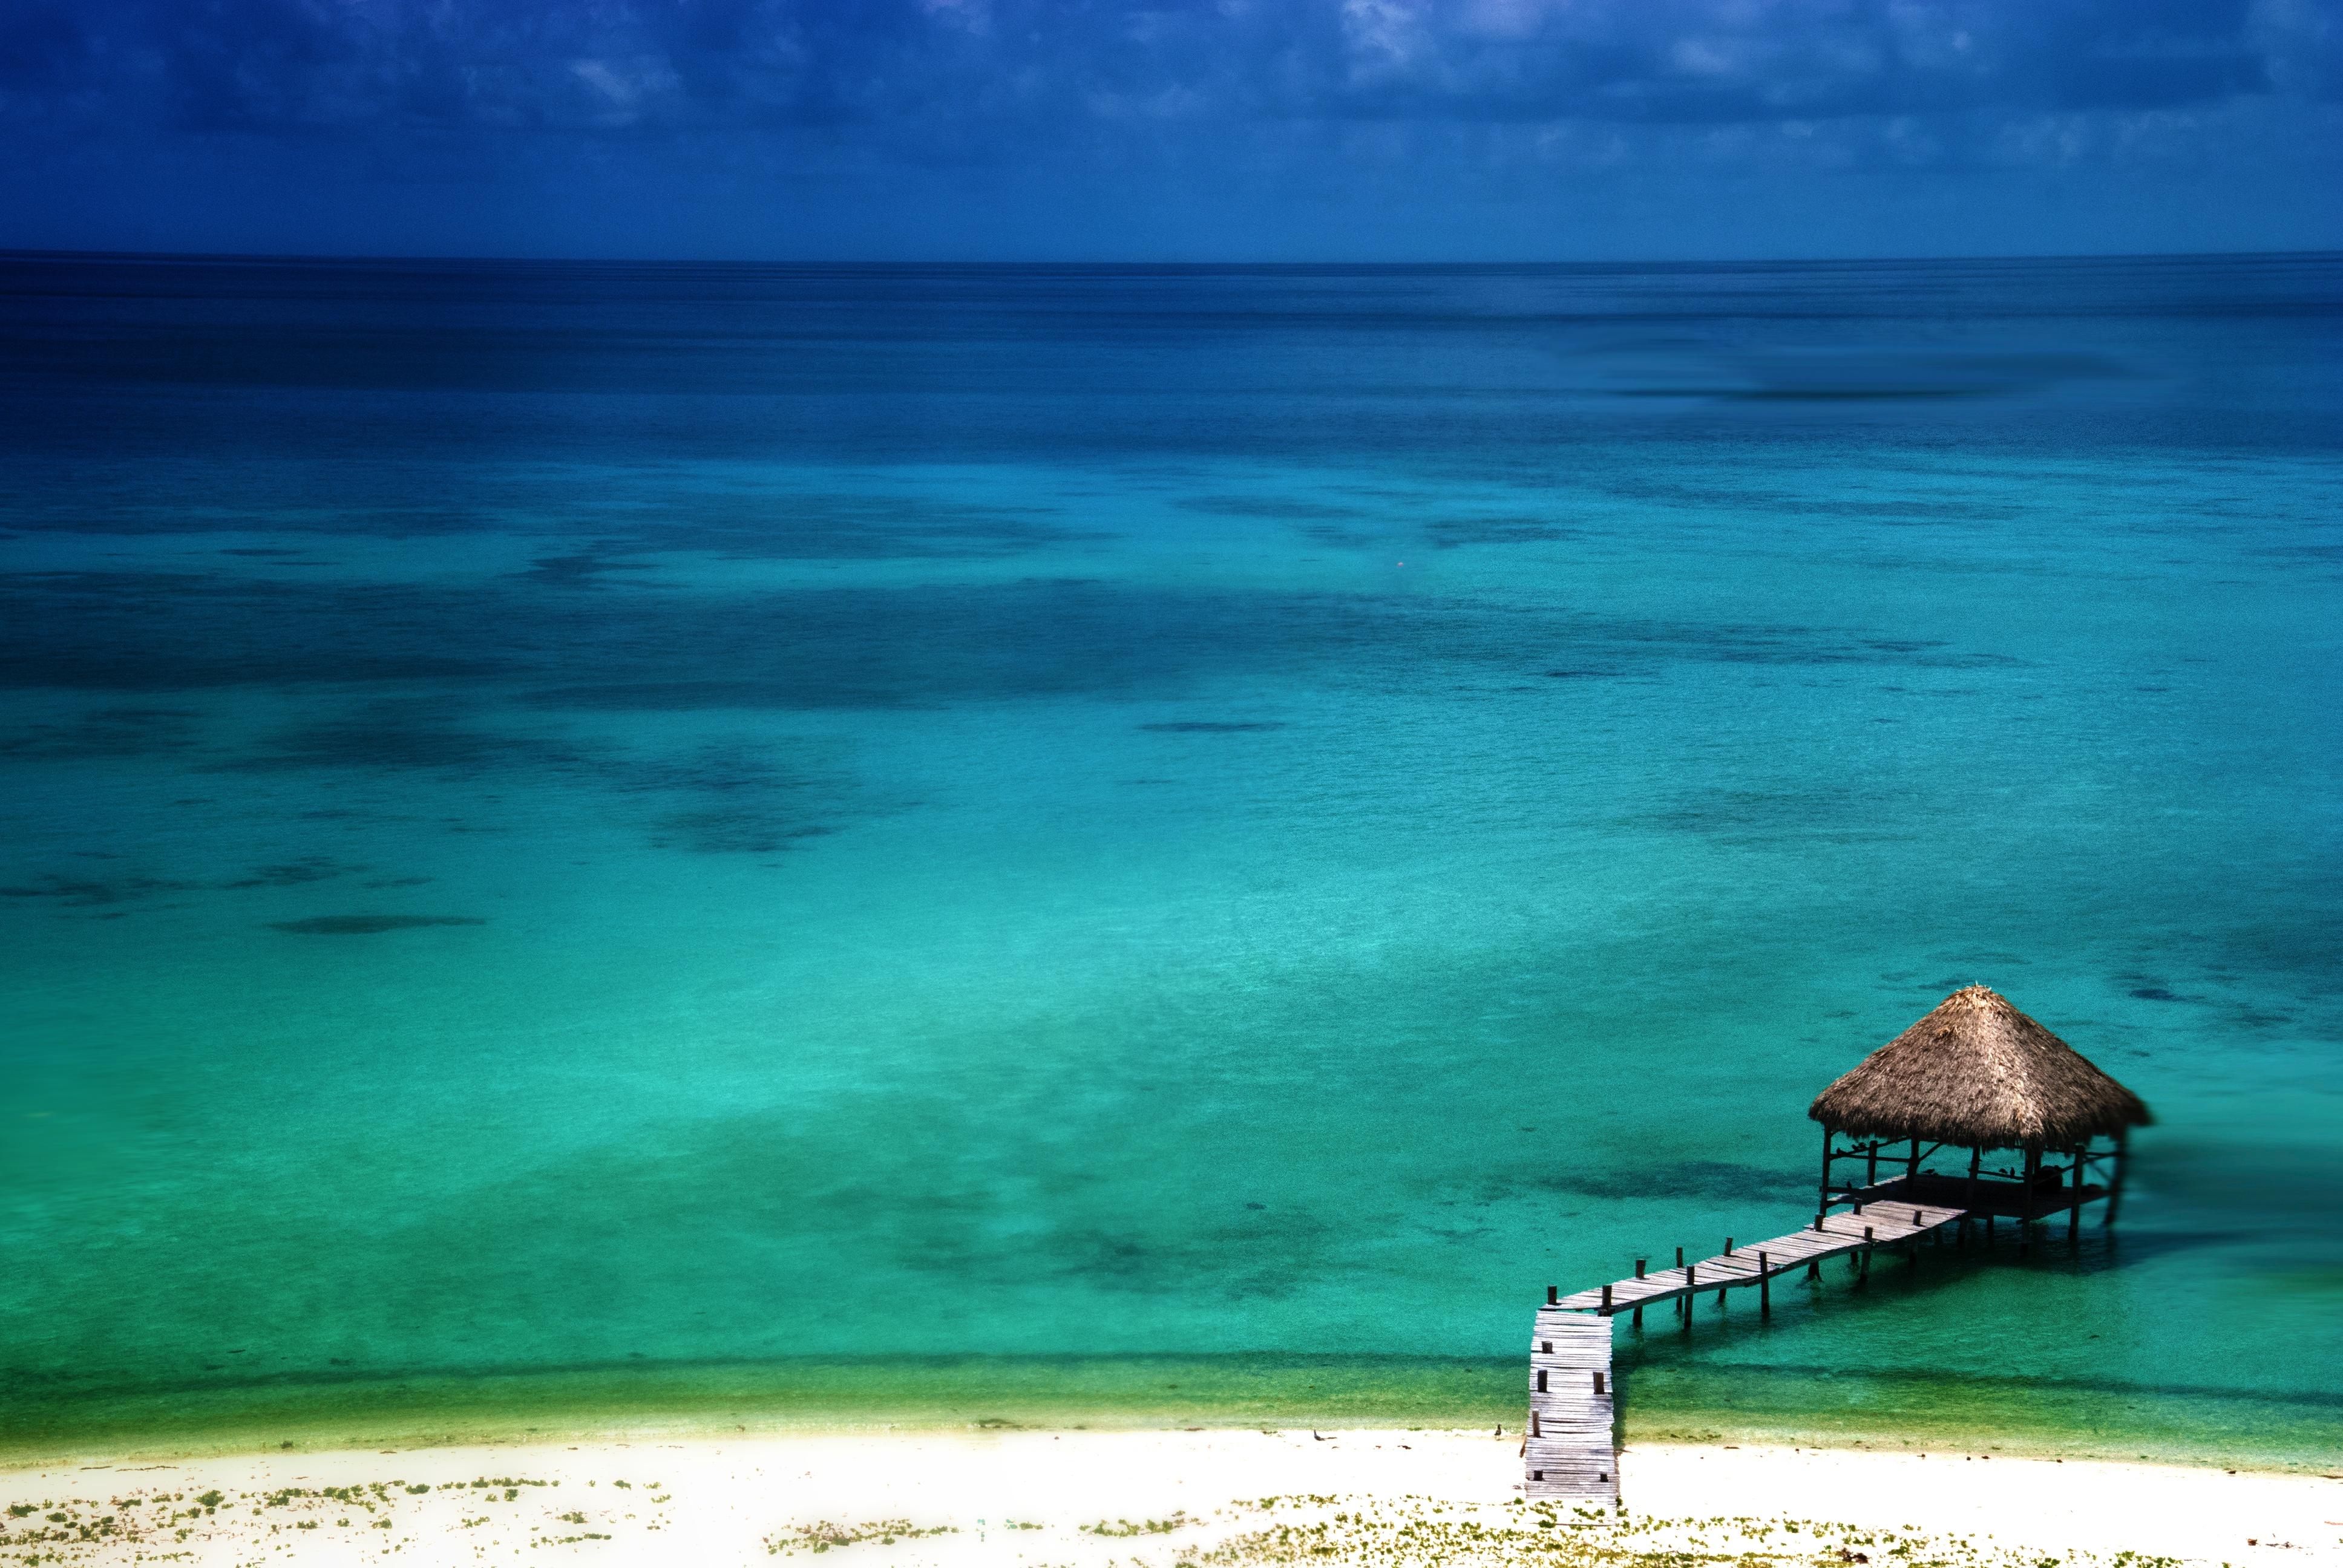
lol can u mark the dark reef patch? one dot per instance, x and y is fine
(367, 925)
(750, 523)
(177, 631)
(426, 734)
(292, 874)
(798, 648)
(1834, 812)
(736, 830)
(84, 891)
(1716, 1178)
(103, 732)
(1280, 508)
(734, 797)
(656, 696)
(585, 569)
(1449, 533)
(1211, 727)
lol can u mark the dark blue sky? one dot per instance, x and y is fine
(1175, 129)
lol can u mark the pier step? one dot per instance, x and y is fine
(1569, 1454)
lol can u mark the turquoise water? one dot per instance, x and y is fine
(590, 843)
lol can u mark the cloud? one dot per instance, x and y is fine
(943, 68)
(1171, 128)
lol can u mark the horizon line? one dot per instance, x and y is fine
(13, 253)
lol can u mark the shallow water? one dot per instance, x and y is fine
(984, 843)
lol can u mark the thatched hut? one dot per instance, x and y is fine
(1976, 1074)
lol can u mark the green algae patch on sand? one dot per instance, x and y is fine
(1408, 1532)
(1689, 1402)
(985, 1392)
(1837, 1407)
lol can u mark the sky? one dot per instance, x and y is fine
(1171, 130)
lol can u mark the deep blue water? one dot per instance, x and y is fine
(724, 823)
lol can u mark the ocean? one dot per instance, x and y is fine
(614, 844)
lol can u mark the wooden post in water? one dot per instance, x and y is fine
(2025, 1218)
(1728, 1252)
(1684, 1302)
(1765, 1289)
(1638, 1319)
(1865, 1276)
(1689, 1272)
(2115, 1183)
(1968, 1193)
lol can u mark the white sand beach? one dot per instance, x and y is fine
(1094, 1498)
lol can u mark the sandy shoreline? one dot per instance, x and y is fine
(1139, 1497)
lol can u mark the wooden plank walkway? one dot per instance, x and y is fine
(1569, 1454)
(1877, 1225)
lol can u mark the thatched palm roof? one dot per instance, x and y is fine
(1978, 1072)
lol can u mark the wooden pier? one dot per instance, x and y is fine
(1975, 1075)
(1569, 1453)
(1860, 1231)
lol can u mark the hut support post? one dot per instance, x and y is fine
(1823, 1206)
(1968, 1193)
(1912, 1172)
(2074, 1199)
(2026, 1205)
(2115, 1183)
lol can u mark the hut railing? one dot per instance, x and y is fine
(2039, 1182)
